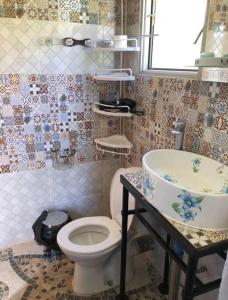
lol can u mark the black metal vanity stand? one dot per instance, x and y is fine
(193, 286)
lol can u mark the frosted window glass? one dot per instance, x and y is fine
(178, 22)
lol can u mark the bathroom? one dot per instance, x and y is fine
(62, 151)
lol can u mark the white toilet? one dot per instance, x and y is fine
(93, 243)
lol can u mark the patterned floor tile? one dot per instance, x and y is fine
(44, 278)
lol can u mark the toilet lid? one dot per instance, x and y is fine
(116, 195)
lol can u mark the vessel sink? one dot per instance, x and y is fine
(187, 187)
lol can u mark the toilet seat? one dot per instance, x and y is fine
(113, 235)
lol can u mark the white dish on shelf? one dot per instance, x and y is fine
(114, 75)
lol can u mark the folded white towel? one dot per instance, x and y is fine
(223, 291)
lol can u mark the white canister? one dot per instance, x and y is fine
(120, 41)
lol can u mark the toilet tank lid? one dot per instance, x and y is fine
(116, 195)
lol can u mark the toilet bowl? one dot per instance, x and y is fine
(93, 243)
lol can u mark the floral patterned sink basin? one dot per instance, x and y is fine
(187, 187)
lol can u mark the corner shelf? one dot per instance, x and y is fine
(116, 141)
(114, 75)
(116, 144)
(112, 112)
(111, 77)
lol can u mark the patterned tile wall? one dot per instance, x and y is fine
(82, 191)
(218, 14)
(204, 105)
(133, 12)
(76, 11)
(41, 113)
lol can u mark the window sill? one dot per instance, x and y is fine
(172, 73)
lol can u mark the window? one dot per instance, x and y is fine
(178, 24)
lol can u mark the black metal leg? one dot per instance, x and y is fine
(122, 295)
(188, 293)
(164, 286)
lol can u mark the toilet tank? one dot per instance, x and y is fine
(116, 196)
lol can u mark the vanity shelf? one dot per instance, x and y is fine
(117, 141)
(114, 75)
(194, 243)
(114, 110)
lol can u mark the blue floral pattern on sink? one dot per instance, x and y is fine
(196, 164)
(170, 178)
(189, 208)
(225, 188)
(148, 185)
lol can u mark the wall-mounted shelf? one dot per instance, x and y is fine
(113, 112)
(113, 49)
(114, 75)
(119, 48)
(212, 62)
(117, 141)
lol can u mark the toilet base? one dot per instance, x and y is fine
(90, 280)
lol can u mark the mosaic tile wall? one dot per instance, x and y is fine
(41, 113)
(77, 11)
(133, 12)
(204, 105)
(218, 14)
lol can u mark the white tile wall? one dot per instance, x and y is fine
(20, 51)
(82, 190)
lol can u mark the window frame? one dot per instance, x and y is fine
(146, 59)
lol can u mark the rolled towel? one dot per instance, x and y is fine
(223, 291)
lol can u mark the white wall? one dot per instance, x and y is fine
(82, 191)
